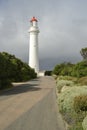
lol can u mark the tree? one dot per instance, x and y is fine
(5, 66)
(63, 69)
(13, 69)
(83, 53)
(48, 72)
(80, 69)
(58, 68)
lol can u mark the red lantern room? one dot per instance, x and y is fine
(33, 19)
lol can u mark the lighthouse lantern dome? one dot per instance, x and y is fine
(33, 19)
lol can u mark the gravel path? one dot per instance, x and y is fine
(30, 106)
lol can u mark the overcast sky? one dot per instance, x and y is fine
(62, 24)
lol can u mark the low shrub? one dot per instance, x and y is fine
(76, 70)
(67, 78)
(83, 80)
(63, 69)
(48, 73)
(80, 103)
(5, 83)
(84, 123)
(13, 69)
(77, 126)
(66, 101)
(80, 69)
(62, 83)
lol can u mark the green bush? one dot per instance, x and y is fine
(70, 78)
(58, 68)
(80, 103)
(84, 123)
(63, 69)
(13, 69)
(82, 80)
(62, 83)
(66, 101)
(5, 83)
(48, 73)
(83, 53)
(67, 69)
(80, 69)
(77, 126)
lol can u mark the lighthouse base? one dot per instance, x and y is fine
(41, 73)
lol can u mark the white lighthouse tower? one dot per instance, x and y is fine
(33, 48)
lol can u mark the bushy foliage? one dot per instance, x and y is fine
(5, 66)
(80, 69)
(13, 69)
(66, 101)
(63, 69)
(77, 126)
(84, 123)
(80, 103)
(82, 80)
(67, 69)
(83, 53)
(58, 68)
(72, 101)
(48, 72)
(69, 78)
(62, 83)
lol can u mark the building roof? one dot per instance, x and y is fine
(33, 19)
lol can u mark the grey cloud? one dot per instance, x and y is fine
(62, 24)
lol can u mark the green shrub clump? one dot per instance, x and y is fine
(70, 78)
(66, 101)
(48, 72)
(62, 83)
(84, 123)
(82, 80)
(13, 69)
(80, 103)
(67, 69)
(63, 69)
(77, 126)
(80, 69)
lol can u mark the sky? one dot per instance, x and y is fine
(62, 25)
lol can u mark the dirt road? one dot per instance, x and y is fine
(30, 106)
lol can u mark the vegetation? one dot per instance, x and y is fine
(48, 72)
(13, 69)
(84, 123)
(72, 101)
(63, 69)
(71, 80)
(80, 69)
(82, 80)
(83, 53)
(80, 103)
(68, 69)
(71, 108)
(72, 97)
(64, 83)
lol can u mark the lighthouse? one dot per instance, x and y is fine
(33, 45)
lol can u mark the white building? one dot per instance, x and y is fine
(33, 45)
